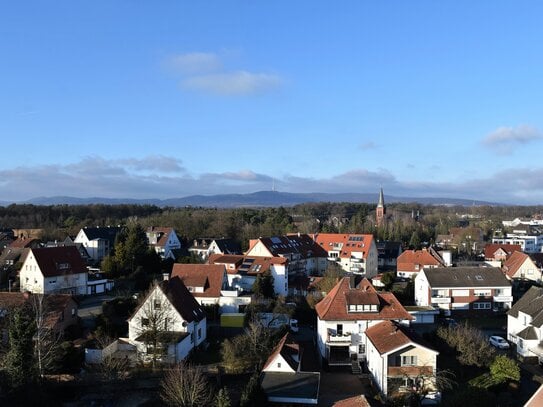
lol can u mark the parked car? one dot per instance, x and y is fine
(498, 342)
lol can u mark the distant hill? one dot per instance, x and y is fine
(256, 199)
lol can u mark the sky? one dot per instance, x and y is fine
(164, 99)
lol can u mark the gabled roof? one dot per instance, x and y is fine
(23, 242)
(291, 244)
(58, 261)
(209, 276)
(443, 277)
(228, 246)
(515, 262)
(492, 248)
(416, 260)
(531, 303)
(537, 258)
(355, 401)
(389, 336)
(162, 235)
(335, 305)
(102, 232)
(250, 265)
(288, 349)
(345, 244)
(529, 333)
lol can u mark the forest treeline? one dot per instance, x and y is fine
(405, 221)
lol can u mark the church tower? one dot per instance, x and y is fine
(381, 209)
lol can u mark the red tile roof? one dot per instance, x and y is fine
(345, 244)
(355, 401)
(492, 248)
(258, 264)
(335, 305)
(22, 242)
(209, 276)
(514, 263)
(416, 260)
(58, 261)
(387, 336)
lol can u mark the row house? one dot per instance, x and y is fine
(170, 309)
(49, 270)
(354, 253)
(242, 271)
(521, 266)
(410, 262)
(305, 257)
(98, 241)
(208, 283)
(164, 241)
(463, 289)
(525, 324)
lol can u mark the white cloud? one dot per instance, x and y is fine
(233, 83)
(195, 63)
(505, 139)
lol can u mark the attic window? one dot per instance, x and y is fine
(479, 278)
(63, 266)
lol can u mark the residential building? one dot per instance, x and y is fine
(520, 266)
(463, 289)
(530, 238)
(411, 262)
(208, 283)
(24, 243)
(200, 248)
(525, 322)
(305, 257)
(50, 270)
(164, 241)
(242, 271)
(224, 246)
(98, 241)
(283, 378)
(170, 309)
(400, 362)
(344, 315)
(354, 253)
(387, 255)
(500, 252)
(468, 239)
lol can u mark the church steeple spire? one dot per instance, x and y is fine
(381, 199)
(381, 209)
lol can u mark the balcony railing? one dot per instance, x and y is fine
(396, 371)
(344, 338)
(441, 300)
(503, 298)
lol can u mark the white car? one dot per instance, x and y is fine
(498, 342)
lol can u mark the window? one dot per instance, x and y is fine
(74, 312)
(145, 322)
(409, 361)
(361, 348)
(340, 329)
(481, 305)
(157, 304)
(279, 365)
(199, 333)
(482, 293)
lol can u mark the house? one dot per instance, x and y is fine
(410, 262)
(387, 255)
(524, 324)
(164, 241)
(98, 241)
(24, 243)
(500, 252)
(355, 401)
(463, 289)
(56, 270)
(242, 271)
(224, 246)
(537, 398)
(344, 315)
(283, 379)
(399, 361)
(208, 283)
(354, 253)
(69, 242)
(59, 310)
(530, 238)
(304, 255)
(520, 266)
(169, 317)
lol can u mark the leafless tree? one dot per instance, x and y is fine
(112, 366)
(425, 383)
(185, 385)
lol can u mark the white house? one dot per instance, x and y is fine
(282, 378)
(529, 238)
(163, 240)
(525, 322)
(473, 290)
(354, 253)
(410, 262)
(98, 241)
(55, 270)
(242, 271)
(520, 266)
(399, 362)
(170, 308)
(344, 315)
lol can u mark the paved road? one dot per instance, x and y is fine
(92, 305)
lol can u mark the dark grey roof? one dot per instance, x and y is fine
(300, 385)
(530, 303)
(537, 258)
(228, 246)
(106, 233)
(528, 334)
(466, 277)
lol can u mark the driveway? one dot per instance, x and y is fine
(339, 385)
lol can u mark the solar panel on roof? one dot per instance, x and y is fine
(275, 239)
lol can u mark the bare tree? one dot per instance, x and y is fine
(156, 321)
(425, 383)
(185, 385)
(112, 366)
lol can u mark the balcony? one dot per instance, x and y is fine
(340, 339)
(411, 371)
(356, 260)
(440, 300)
(331, 258)
(502, 298)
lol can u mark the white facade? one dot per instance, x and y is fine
(33, 280)
(167, 244)
(96, 248)
(196, 330)
(528, 243)
(518, 325)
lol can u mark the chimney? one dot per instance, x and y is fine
(165, 276)
(352, 281)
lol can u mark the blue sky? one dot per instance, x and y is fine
(142, 99)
